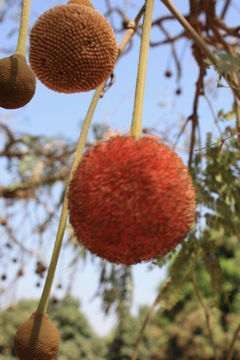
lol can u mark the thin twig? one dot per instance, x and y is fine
(237, 111)
(220, 142)
(213, 113)
(182, 130)
(147, 319)
(131, 30)
(207, 315)
(194, 117)
(235, 336)
(199, 42)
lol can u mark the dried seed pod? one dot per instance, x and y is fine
(17, 82)
(3, 277)
(40, 268)
(168, 73)
(3, 221)
(20, 272)
(37, 338)
(81, 2)
(131, 200)
(72, 48)
(178, 91)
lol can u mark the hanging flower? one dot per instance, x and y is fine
(17, 82)
(72, 48)
(131, 200)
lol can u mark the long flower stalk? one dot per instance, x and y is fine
(64, 213)
(142, 70)
(23, 30)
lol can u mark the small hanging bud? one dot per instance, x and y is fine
(178, 91)
(3, 277)
(168, 73)
(17, 82)
(40, 268)
(37, 338)
(20, 272)
(3, 221)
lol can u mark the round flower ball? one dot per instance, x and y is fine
(72, 48)
(17, 82)
(131, 200)
(37, 338)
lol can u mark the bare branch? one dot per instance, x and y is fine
(235, 336)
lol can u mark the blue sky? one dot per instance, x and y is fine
(54, 114)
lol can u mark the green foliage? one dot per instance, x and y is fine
(186, 334)
(125, 337)
(229, 115)
(218, 192)
(227, 65)
(115, 288)
(211, 263)
(180, 270)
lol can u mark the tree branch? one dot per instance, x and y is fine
(207, 315)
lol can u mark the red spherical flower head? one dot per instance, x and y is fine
(131, 200)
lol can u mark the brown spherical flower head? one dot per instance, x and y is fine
(80, 2)
(37, 338)
(17, 82)
(131, 200)
(72, 48)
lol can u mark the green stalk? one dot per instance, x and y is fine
(142, 69)
(132, 28)
(43, 303)
(23, 31)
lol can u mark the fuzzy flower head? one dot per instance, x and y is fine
(131, 200)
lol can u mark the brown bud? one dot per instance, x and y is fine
(3, 221)
(37, 338)
(168, 73)
(40, 268)
(20, 272)
(17, 82)
(3, 277)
